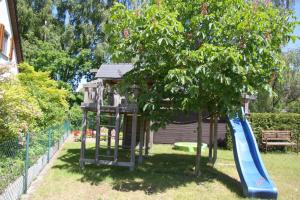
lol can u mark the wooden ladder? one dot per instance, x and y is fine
(110, 127)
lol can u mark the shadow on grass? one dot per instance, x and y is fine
(158, 173)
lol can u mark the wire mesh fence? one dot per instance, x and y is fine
(22, 159)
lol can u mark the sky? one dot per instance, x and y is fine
(295, 45)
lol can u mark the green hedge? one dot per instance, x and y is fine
(271, 121)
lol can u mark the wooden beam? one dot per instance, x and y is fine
(124, 130)
(83, 138)
(107, 109)
(110, 103)
(106, 162)
(99, 97)
(117, 131)
(141, 144)
(109, 140)
(133, 141)
(134, 128)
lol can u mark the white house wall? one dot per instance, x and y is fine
(5, 20)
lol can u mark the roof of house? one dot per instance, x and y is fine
(14, 23)
(113, 71)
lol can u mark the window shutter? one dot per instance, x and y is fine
(11, 50)
(1, 36)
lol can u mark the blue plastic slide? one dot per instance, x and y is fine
(254, 177)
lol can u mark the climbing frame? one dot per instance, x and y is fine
(117, 107)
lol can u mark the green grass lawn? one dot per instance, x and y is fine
(166, 174)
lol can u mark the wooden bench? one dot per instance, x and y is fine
(277, 138)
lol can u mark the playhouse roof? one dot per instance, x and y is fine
(113, 71)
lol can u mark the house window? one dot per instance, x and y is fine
(5, 44)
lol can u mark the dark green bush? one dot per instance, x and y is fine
(271, 121)
(228, 138)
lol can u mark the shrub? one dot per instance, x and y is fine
(228, 138)
(294, 106)
(51, 99)
(18, 109)
(275, 121)
(271, 121)
(29, 101)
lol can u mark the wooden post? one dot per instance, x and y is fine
(133, 141)
(83, 139)
(117, 131)
(199, 144)
(147, 138)
(124, 130)
(151, 137)
(99, 97)
(211, 132)
(109, 140)
(141, 144)
(215, 139)
(111, 103)
(134, 128)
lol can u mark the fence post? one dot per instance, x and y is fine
(26, 162)
(49, 144)
(298, 144)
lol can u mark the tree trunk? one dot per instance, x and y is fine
(98, 131)
(211, 133)
(199, 144)
(147, 138)
(141, 145)
(215, 138)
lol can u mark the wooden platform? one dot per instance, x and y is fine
(92, 107)
(106, 162)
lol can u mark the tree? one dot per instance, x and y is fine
(287, 89)
(84, 38)
(198, 55)
(51, 100)
(292, 76)
(63, 37)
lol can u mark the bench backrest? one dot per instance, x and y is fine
(272, 135)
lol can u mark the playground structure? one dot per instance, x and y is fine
(254, 177)
(102, 99)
